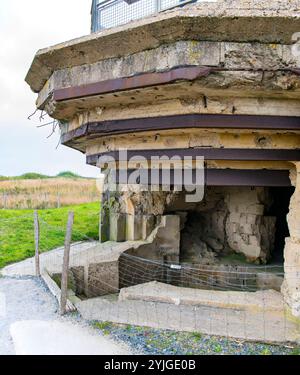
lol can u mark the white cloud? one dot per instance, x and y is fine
(26, 27)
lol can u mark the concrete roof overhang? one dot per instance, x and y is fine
(206, 22)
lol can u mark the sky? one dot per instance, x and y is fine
(25, 27)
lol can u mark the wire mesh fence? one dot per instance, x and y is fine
(111, 13)
(44, 200)
(139, 291)
(17, 232)
(112, 282)
(48, 193)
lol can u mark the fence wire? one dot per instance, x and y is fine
(111, 282)
(112, 13)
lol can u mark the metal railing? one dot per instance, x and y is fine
(111, 13)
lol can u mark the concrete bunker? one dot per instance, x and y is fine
(196, 83)
(233, 232)
(232, 240)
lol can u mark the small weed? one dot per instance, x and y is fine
(140, 329)
(295, 351)
(266, 351)
(218, 349)
(158, 343)
(104, 326)
(196, 336)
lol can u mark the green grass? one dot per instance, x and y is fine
(266, 352)
(196, 336)
(295, 351)
(102, 325)
(68, 174)
(17, 234)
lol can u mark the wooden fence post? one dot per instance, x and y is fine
(65, 270)
(4, 200)
(58, 200)
(37, 243)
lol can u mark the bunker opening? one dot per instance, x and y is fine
(233, 240)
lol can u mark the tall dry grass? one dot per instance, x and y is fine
(47, 193)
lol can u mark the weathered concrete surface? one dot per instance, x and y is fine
(246, 56)
(60, 338)
(229, 220)
(267, 281)
(291, 285)
(248, 231)
(244, 83)
(158, 292)
(253, 316)
(192, 138)
(2, 305)
(239, 21)
(133, 213)
(242, 57)
(110, 109)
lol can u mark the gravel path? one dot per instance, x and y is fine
(26, 298)
(29, 312)
(159, 342)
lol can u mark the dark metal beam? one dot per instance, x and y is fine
(189, 73)
(196, 121)
(142, 80)
(240, 154)
(261, 177)
(221, 177)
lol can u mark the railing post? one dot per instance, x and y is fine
(158, 5)
(65, 270)
(94, 16)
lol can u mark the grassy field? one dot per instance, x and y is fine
(17, 236)
(39, 176)
(38, 193)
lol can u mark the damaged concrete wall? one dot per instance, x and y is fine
(123, 268)
(291, 285)
(130, 212)
(229, 220)
(248, 231)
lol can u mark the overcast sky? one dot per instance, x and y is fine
(25, 27)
